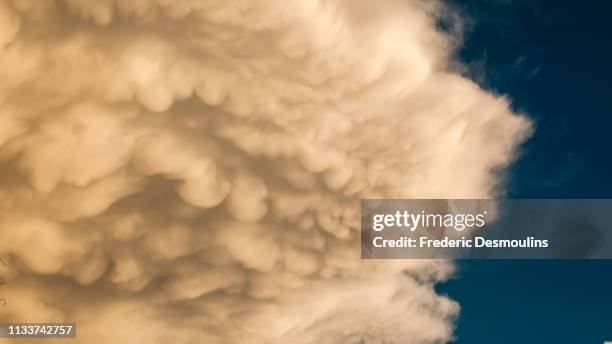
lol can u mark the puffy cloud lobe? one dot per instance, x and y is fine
(190, 171)
(9, 23)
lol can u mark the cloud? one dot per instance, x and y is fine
(190, 171)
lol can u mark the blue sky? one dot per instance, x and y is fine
(553, 60)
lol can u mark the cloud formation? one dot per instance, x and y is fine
(190, 171)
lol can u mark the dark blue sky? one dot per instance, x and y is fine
(553, 59)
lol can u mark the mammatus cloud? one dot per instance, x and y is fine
(189, 171)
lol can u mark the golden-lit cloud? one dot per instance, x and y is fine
(190, 171)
